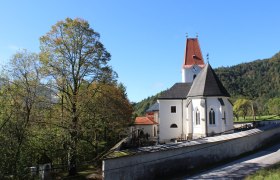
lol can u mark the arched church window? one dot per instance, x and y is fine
(173, 126)
(197, 117)
(212, 116)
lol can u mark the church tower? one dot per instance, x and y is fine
(193, 62)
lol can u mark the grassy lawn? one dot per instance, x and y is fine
(84, 173)
(269, 173)
(258, 118)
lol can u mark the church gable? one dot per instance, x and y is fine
(207, 83)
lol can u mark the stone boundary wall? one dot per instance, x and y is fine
(165, 163)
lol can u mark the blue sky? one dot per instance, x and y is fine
(147, 38)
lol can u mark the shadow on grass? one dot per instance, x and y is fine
(86, 173)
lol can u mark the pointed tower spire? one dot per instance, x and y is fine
(193, 55)
(193, 61)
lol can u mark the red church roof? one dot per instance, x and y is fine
(144, 121)
(193, 53)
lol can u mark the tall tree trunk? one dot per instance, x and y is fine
(20, 139)
(72, 156)
(253, 111)
(73, 142)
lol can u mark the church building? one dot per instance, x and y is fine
(199, 106)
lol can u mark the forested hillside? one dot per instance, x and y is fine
(258, 80)
(255, 80)
(141, 107)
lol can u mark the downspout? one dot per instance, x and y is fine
(158, 118)
(182, 121)
(206, 125)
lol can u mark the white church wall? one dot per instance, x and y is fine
(185, 130)
(198, 129)
(229, 115)
(222, 122)
(166, 118)
(189, 120)
(185, 118)
(188, 73)
(219, 126)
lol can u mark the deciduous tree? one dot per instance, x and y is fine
(242, 107)
(274, 106)
(72, 53)
(19, 96)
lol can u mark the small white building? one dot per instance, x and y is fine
(148, 124)
(197, 107)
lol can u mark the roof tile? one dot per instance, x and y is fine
(177, 91)
(193, 53)
(144, 121)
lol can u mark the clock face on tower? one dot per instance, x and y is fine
(194, 69)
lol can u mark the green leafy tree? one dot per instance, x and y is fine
(241, 107)
(71, 54)
(274, 106)
(19, 96)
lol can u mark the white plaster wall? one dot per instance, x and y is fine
(183, 75)
(187, 73)
(212, 102)
(167, 118)
(185, 130)
(156, 116)
(194, 130)
(147, 129)
(229, 115)
(220, 124)
(198, 130)
(189, 119)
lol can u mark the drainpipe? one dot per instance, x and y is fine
(206, 125)
(182, 121)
